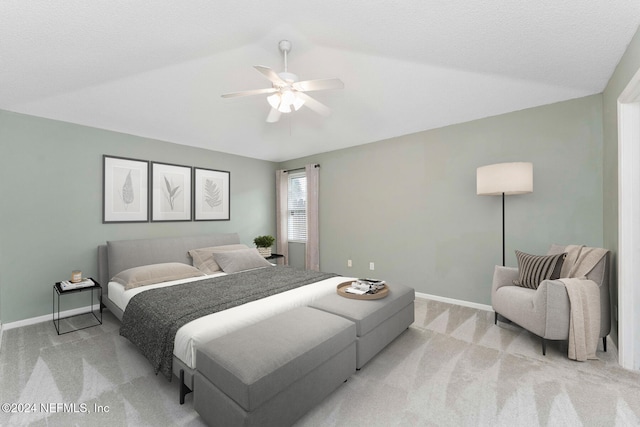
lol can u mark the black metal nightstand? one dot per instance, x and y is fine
(58, 292)
(276, 257)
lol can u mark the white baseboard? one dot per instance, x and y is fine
(81, 310)
(455, 301)
(48, 317)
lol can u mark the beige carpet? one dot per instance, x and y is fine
(452, 367)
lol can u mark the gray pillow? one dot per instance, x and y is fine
(155, 273)
(240, 260)
(533, 269)
(203, 257)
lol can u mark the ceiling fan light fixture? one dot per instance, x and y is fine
(284, 108)
(299, 102)
(274, 100)
(287, 93)
(290, 98)
(285, 100)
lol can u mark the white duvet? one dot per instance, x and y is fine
(206, 328)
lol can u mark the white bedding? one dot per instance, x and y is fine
(215, 325)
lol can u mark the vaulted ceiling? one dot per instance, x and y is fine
(157, 68)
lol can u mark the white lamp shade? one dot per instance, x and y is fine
(507, 178)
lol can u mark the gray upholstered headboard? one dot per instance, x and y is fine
(119, 255)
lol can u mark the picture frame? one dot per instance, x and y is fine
(170, 192)
(125, 190)
(212, 194)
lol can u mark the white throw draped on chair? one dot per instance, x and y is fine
(584, 298)
(584, 320)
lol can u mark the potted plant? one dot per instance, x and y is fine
(264, 243)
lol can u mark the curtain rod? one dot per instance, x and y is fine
(317, 165)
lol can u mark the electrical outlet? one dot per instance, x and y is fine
(372, 266)
(349, 263)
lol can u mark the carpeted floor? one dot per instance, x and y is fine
(451, 367)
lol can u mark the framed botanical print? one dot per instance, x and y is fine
(125, 190)
(170, 192)
(211, 190)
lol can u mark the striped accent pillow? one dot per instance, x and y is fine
(533, 269)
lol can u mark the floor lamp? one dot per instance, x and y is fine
(505, 179)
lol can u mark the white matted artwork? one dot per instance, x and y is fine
(125, 190)
(211, 195)
(170, 192)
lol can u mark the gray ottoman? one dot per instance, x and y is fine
(378, 322)
(273, 372)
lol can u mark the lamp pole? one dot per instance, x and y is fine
(503, 258)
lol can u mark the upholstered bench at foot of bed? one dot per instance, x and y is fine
(378, 322)
(271, 373)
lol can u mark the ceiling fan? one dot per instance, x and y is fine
(287, 93)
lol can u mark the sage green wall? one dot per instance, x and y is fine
(626, 69)
(409, 204)
(51, 209)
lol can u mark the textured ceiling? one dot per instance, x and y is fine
(157, 68)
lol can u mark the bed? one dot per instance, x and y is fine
(118, 256)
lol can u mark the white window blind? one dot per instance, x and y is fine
(297, 207)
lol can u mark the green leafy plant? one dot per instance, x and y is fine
(264, 241)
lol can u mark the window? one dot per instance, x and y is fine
(297, 207)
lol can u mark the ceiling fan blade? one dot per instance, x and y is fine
(316, 106)
(274, 116)
(271, 75)
(250, 92)
(321, 84)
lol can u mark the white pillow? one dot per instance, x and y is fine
(155, 273)
(240, 260)
(203, 257)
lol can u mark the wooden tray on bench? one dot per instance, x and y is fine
(380, 294)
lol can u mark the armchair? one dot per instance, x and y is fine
(545, 311)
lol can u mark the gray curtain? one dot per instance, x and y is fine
(312, 252)
(282, 233)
